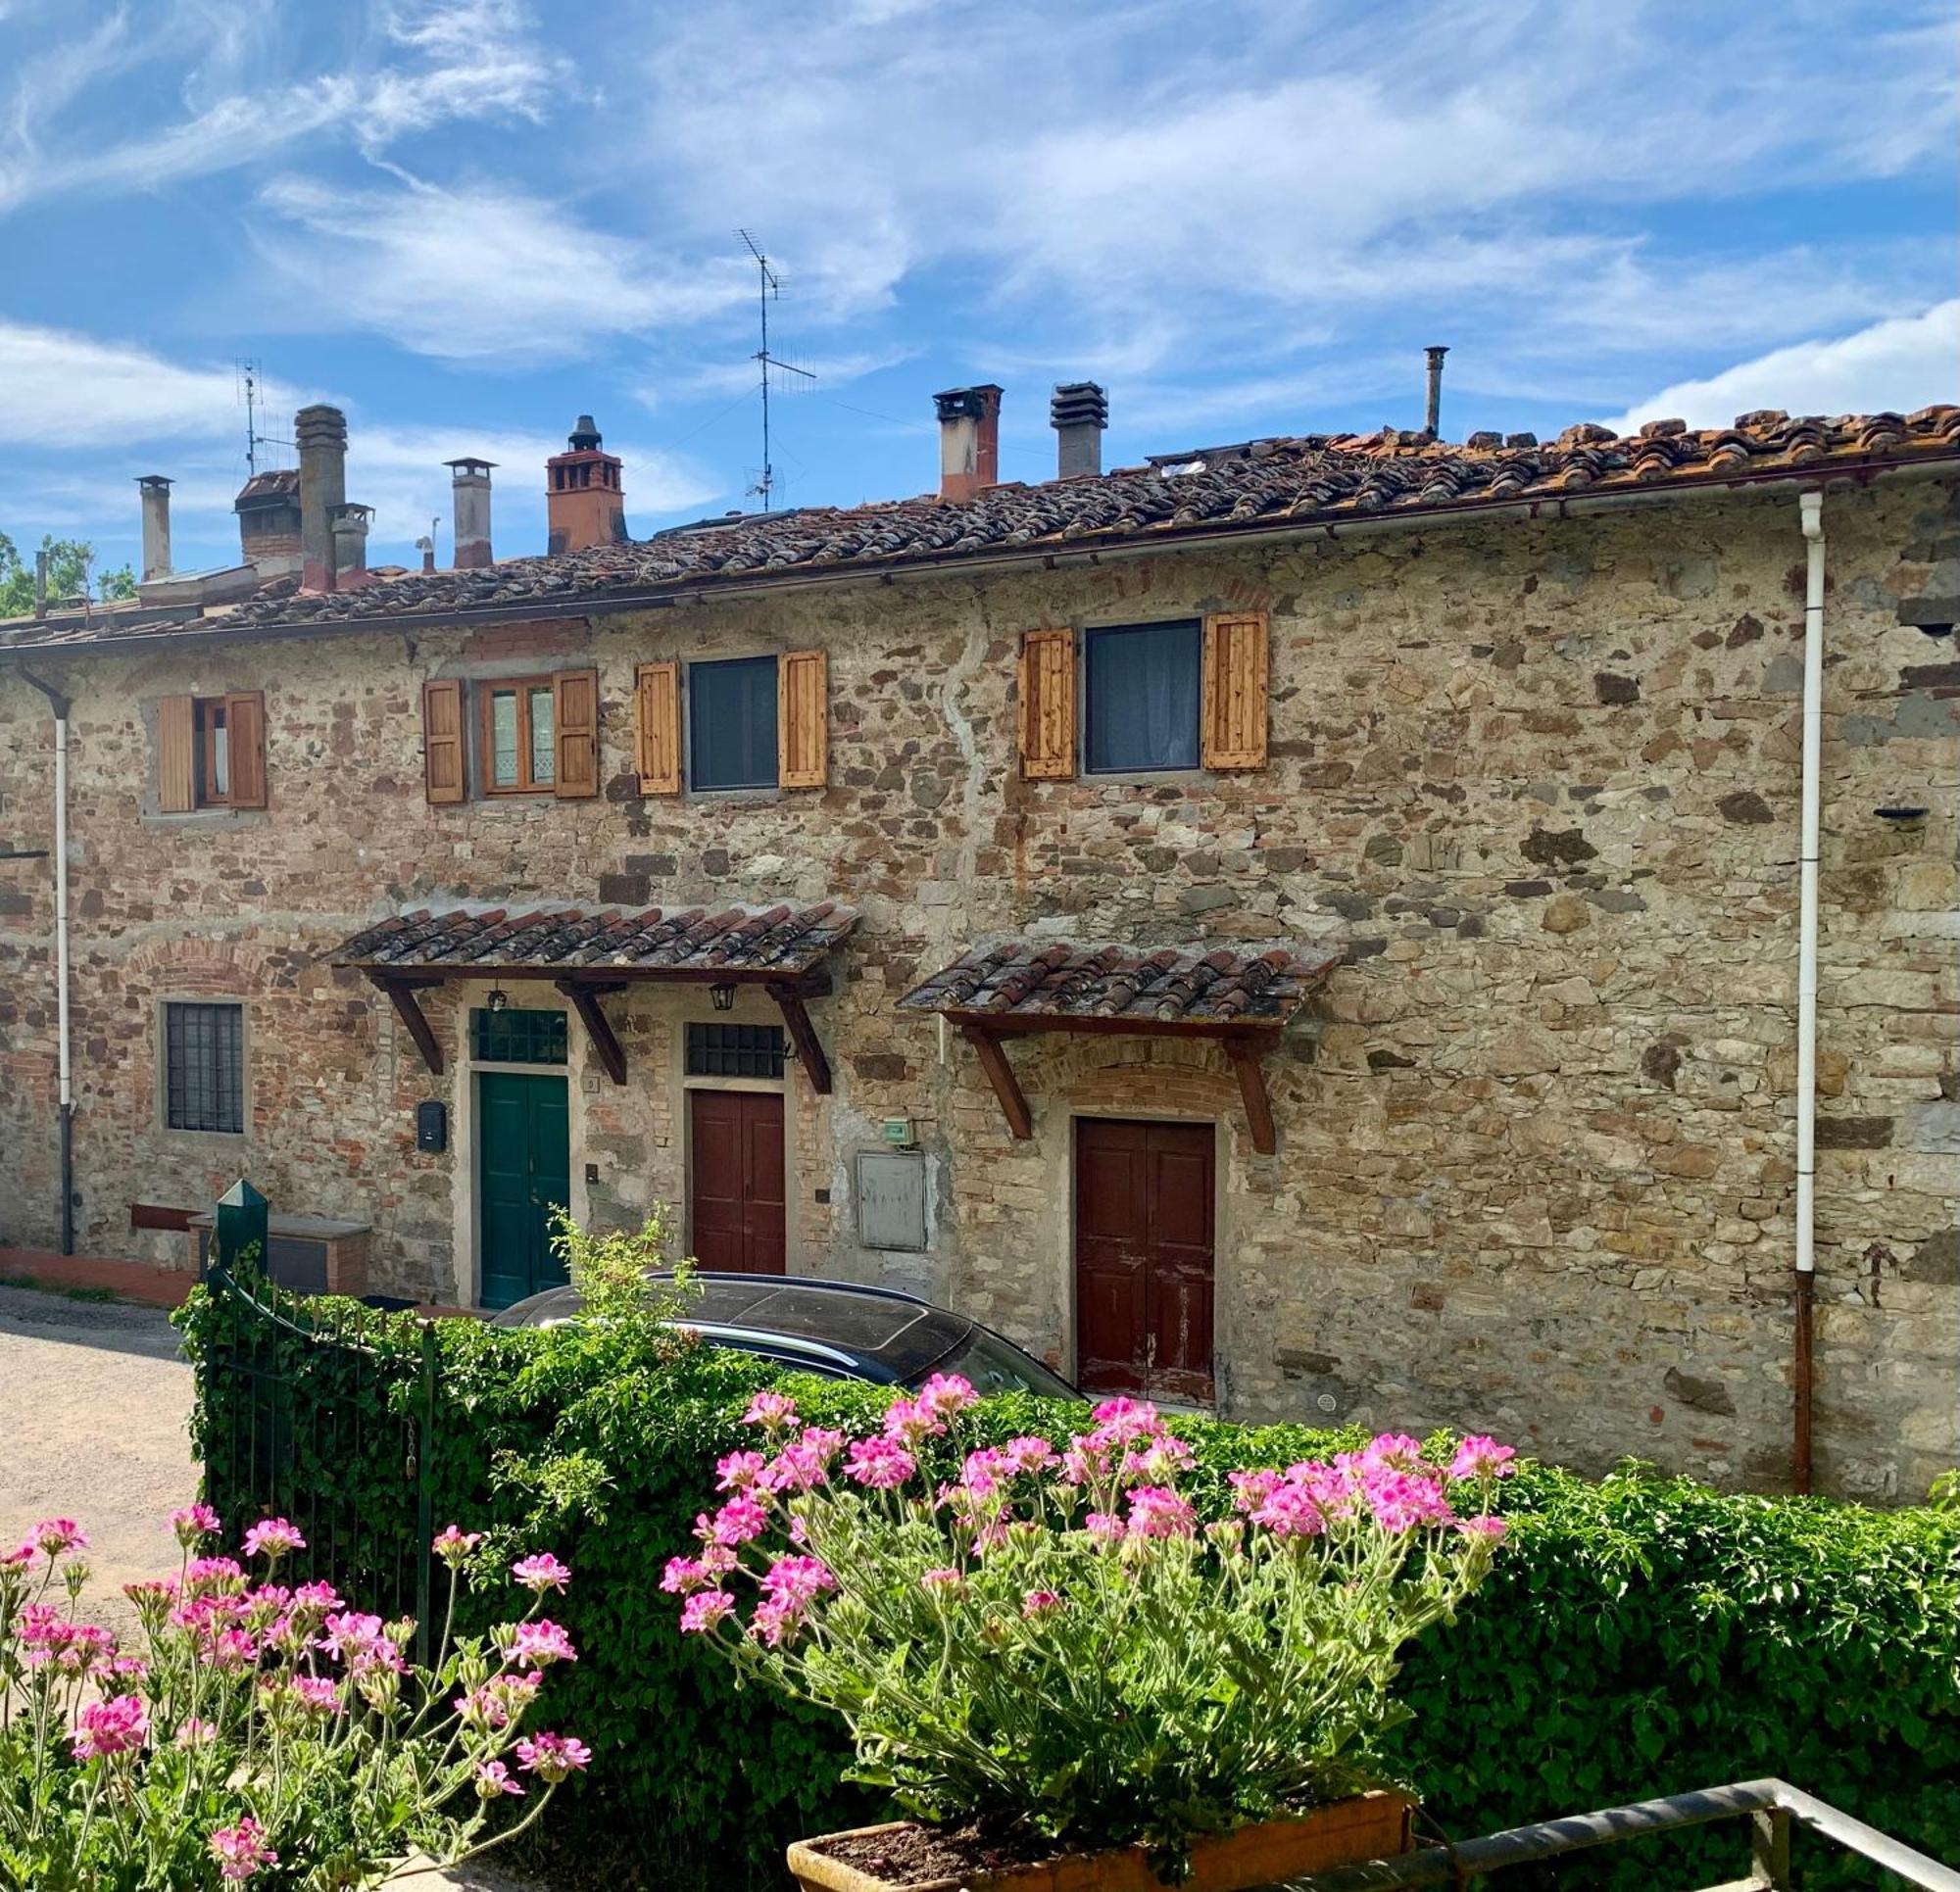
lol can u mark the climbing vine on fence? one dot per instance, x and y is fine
(1642, 1635)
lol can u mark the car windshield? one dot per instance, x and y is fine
(993, 1365)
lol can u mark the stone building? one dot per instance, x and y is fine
(1309, 926)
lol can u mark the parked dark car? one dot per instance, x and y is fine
(833, 1328)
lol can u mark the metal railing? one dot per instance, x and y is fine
(1773, 1809)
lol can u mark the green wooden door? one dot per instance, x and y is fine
(524, 1133)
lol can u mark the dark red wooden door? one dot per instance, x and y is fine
(1144, 1202)
(735, 1169)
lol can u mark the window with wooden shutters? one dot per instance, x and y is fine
(211, 751)
(576, 710)
(442, 741)
(245, 747)
(176, 755)
(657, 727)
(1236, 670)
(803, 720)
(1047, 708)
(731, 724)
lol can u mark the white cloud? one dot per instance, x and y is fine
(474, 273)
(1901, 363)
(66, 390)
(438, 62)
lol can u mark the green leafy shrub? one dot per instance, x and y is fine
(1639, 1636)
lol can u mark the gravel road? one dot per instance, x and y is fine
(93, 1405)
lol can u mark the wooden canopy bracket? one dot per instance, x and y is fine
(1000, 1075)
(402, 995)
(585, 995)
(788, 995)
(1246, 1055)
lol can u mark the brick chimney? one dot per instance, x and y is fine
(350, 546)
(321, 435)
(469, 511)
(1078, 411)
(267, 506)
(155, 492)
(969, 440)
(584, 501)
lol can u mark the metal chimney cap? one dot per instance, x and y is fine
(584, 436)
(469, 464)
(152, 481)
(1078, 404)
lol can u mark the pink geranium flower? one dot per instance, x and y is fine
(739, 1471)
(453, 1544)
(1156, 1511)
(946, 1394)
(1482, 1457)
(1490, 1530)
(945, 1581)
(798, 1580)
(551, 1757)
(193, 1521)
(740, 1521)
(493, 1778)
(1040, 1603)
(541, 1571)
(241, 1850)
(532, 1645)
(881, 1464)
(118, 1726)
(272, 1538)
(193, 1732)
(704, 1610)
(772, 1411)
(53, 1536)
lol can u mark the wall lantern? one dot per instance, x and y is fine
(723, 997)
(496, 1002)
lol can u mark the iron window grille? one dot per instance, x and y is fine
(735, 1051)
(204, 1067)
(517, 1036)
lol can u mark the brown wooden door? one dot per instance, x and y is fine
(735, 1173)
(1144, 1202)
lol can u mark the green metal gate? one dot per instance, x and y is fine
(303, 1414)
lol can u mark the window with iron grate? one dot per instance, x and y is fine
(517, 1036)
(735, 1050)
(204, 1067)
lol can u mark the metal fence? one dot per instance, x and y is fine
(1774, 1809)
(303, 1416)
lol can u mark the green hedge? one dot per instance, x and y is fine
(1640, 1635)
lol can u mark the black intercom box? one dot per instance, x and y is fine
(432, 1124)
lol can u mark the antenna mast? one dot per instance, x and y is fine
(767, 289)
(248, 382)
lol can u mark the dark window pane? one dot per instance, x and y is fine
(732, 724)
(204, 1067)
(1140, 697)
(517, 1036)
(734, 1051)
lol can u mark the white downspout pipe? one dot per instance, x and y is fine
(1811, 511)
(59, 704)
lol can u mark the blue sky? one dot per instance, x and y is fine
(468, 221)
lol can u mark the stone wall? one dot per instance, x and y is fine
(1541, 782)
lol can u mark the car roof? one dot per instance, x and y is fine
(870, 1333)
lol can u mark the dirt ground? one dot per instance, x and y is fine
(94, 1405)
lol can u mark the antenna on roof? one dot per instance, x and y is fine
(767, 289)
(252, 393)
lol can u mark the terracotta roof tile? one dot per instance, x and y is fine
(778, 941)
(1308, 480)
(1029, 978)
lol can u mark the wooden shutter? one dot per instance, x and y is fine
(575, 703)
(442, 741)
(1048, 705)
(803, 720)
(176, 755)
(657, 727)
(1235, 691)
(245, 744)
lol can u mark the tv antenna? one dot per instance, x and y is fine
(767, 289)
(250, 392)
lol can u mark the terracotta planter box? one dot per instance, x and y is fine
(1371, 1826)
